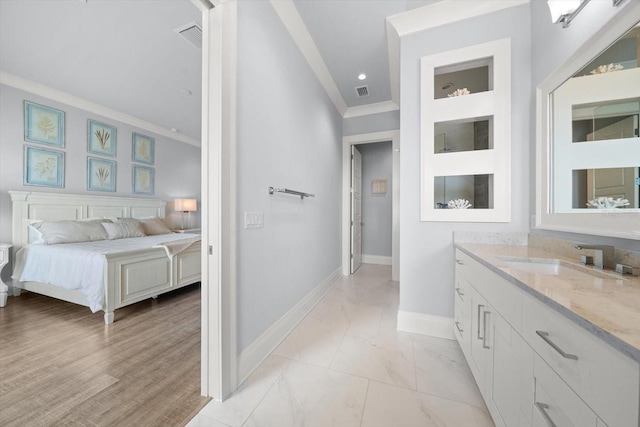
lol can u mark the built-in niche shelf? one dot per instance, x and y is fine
(466, 133)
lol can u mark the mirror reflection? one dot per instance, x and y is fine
(451, 192)
(468, 135)
(595, 132)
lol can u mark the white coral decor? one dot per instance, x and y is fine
(607, 203)
(459, 92)
(459, 204)
(607, 68)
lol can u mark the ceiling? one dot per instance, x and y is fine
(126, 56)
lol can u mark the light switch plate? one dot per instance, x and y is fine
(253, 220)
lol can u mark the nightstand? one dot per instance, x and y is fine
(189, 231)
(4, 260)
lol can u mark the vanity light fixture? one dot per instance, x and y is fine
(563, 11)
(362, 76)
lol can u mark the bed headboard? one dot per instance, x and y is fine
(29, 207)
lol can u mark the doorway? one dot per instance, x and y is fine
(369, 138)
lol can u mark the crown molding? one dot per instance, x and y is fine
(365, 110)
(293, 22)
(83, 104)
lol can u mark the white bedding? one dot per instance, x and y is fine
(80, 266)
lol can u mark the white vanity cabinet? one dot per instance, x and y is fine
(534, 366)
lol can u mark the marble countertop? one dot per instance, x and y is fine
(607, 304)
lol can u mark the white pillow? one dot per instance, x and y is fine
(123, 228)
(154, 226)
(69, 231)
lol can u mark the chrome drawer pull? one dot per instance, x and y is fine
(545, 337)
(484, 338)
(459, 262)
(459, 291)
(543, 410)
(458, 326)
(479, 306)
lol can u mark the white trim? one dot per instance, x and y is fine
(263, 346)
(292, 21)
(446, 12)
(393, 47)
(365, 110)
(376, 259)
(83, 104)
(218, 348)
(426, 324)
(347, 142)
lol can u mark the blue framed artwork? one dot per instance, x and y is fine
(101, 138)
(43, 168)
(43, 124)
(143, 148)
(101, 174)
(143, 180)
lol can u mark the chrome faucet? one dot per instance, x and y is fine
(603, 255)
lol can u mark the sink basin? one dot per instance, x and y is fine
(550, 267)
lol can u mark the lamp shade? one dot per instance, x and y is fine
(185, 205)
(559, 8)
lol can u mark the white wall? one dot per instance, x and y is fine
(426, 266)
(377, 163)
(177, 165)
(289, 135)
(551, 46)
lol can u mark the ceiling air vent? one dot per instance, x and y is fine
(362, 91)
(191, 33)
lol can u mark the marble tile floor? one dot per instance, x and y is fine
(346, 364)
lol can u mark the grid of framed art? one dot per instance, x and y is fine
(45, 166)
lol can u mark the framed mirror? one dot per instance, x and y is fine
(588, 157)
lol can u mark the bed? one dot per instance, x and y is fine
(128, 274)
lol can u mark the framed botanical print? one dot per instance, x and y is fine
(44, 168)
(143, 180)
(101, 138)
(143, 148)
(43, 124)
(101, 174)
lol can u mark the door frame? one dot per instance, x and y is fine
(218, 348)
(368, 138)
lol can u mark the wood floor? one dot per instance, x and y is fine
(60, 365)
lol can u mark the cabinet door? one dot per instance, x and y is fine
(512, 387)
(481, 343)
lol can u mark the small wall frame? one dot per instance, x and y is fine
(101, 174)
(43, 125)
(43, 168)
(143, 149)
(143, 180)
(101, 138)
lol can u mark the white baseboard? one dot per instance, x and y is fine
(252, 356)
(376, 259)
(426, 324)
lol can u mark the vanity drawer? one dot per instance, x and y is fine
(607, 380)
(555, 403)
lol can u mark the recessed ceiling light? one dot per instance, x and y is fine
(447, 86)
(362, 76)
(186, 92)
(174, 129)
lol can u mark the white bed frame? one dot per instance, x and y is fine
(129, 277)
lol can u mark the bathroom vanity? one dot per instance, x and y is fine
(549, 342)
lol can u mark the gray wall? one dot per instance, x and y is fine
(377, 163)
(426, 265)
(177, 165)
(371, 123)
(551, 45)
(290, 135)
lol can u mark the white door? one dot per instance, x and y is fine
(356, 209)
